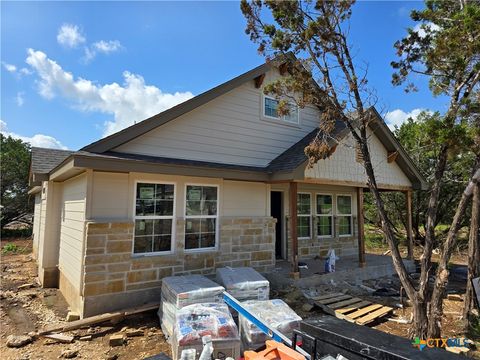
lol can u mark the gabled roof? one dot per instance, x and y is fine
(132, 132)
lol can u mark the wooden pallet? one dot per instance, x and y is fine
(350, 308)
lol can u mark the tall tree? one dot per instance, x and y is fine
(15, 165)
(445, 46)
(317, 33)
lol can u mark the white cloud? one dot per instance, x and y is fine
(420, 28)
(107, 46)
(102, 46)
(128, 103)
(38, 140)
(9, 67)
(19, 99)
(397, 117)
(70, 35)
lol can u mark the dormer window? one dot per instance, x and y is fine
(270, 106)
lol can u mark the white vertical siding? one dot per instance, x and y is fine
(72, 229)
(229, 129)
(342, 165)
(37, 210)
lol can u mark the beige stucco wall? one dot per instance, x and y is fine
(229, 129)
(113, 195)
(342, 165)
(72, 229)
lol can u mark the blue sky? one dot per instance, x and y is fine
(73, 72)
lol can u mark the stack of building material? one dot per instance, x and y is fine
(244, 283)
(193, 322)
(181, 291)
(275, 313)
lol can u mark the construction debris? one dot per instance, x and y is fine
(69, 353)
(193, 322)
(66, 339)
(97, 319)
(181, 291)
(275, 313)
(25, 286)
(454, 297)
(72, 316)
(86, 338)
(117, 340)
(244, 283)
(17, 341)
(134, 332)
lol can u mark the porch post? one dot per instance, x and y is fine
(361, 232)
(293, 227)
(408, 195)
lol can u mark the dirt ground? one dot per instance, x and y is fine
(27, 310)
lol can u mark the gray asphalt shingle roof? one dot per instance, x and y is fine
(45, 160)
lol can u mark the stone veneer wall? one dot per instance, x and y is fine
(114, 278)
(343, 246)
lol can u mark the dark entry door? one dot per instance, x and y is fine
(276, 212)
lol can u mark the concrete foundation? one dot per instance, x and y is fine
(347, 269)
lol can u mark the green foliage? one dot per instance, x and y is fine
(15, 165)
(16, 233)
(10, 248)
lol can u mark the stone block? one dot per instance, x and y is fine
(96, 241)
(95, 251)
(116, 276)
(95, 277)
(119, 247)
(141, 276)
(95, 268)
(126, 236)
(93, 289)
(144, 285)
(262, 255)
(116, 340)
(120, 267)
(164, 272)
(72, 316)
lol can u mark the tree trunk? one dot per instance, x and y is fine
(473, 253)
(441, 280)
(420, 319)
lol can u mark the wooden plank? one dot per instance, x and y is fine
(352, 307)
(351, 317)
(66, 339)
(341, 304)
(328, 296)
(333, 300)
(374, 315)
(97, 319)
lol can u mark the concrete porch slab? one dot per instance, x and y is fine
(347, 269)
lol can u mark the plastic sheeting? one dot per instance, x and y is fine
(192, 322)
(244, 283)
(181, 291)
(275, 313)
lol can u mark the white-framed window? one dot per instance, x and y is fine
(304, 215)
(201, 216)
(324, 213)
(344, 215)
(270, 106)
(154, 214)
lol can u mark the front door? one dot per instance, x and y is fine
(276, 211)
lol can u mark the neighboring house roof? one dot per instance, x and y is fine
(45, 160)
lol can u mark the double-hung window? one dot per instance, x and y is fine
(304, 215)
(324, 215)
(154, 209)
(344, 215)
(201, 217)
(270, 109)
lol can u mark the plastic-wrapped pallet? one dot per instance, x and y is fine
(275, 313)
(244, 283)
(192, 322)
(181, 291)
